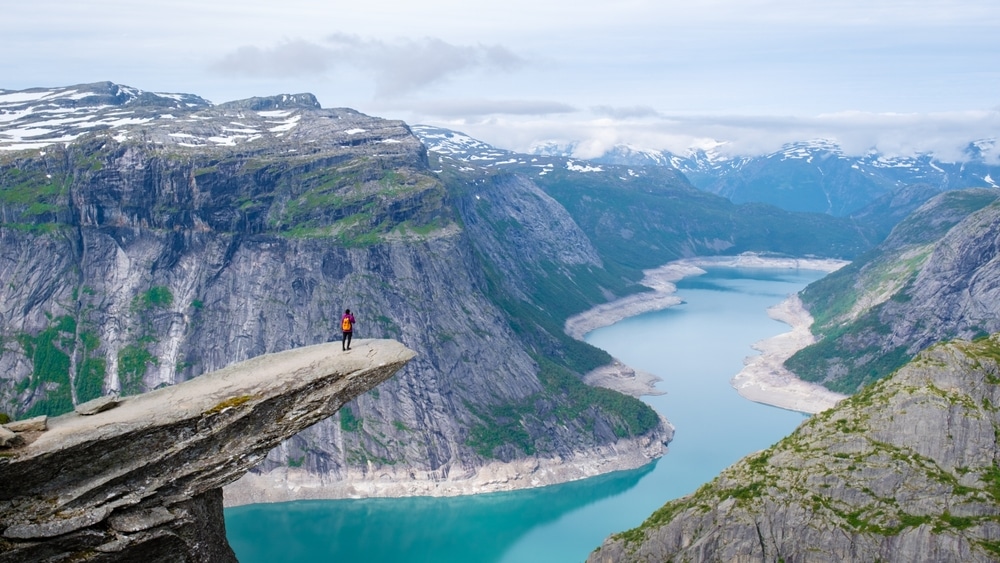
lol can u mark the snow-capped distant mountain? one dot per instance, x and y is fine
(39, 117)
(811, 176)
(459, 145)
(634, 156)
(817, 176)
(461, 148)
(552, 148)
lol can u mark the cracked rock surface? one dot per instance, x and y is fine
(143, 480)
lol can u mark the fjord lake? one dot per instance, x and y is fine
(695, 348)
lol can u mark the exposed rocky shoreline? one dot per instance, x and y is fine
(763, 378)
(289, 483)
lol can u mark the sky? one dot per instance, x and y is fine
(899, 77)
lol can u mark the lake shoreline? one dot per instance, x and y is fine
(763, 378)
(756, 383)
(286, 484)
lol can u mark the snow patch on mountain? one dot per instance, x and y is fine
(572, 165)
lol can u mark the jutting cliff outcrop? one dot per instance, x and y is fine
(142, 481)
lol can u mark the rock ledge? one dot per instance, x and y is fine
(143, 480)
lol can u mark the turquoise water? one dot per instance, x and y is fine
(695, 347)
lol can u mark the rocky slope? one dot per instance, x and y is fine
(936, 277)
(903, 471)
(148, 238)
(139, 479)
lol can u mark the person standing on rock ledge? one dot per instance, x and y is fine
(347, 326)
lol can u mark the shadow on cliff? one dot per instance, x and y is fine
(478, 528)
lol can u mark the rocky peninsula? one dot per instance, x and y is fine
(142, 479)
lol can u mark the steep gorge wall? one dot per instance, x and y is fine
(142, 266)
(936, 277)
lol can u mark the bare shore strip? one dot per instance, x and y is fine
(290, 483)
(763, 378)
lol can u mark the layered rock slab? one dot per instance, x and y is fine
(143, 480)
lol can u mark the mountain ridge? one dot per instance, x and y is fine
(809, 176)
(932, 279)
(141, 254)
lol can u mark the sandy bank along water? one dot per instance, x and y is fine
(763, 378)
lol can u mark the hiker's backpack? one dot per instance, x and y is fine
(345, 324)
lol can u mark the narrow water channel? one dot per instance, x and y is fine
(695, 348)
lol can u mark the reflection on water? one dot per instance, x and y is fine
(459, 529)
(695, 347)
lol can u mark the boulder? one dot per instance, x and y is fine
(35, 424)
(8, 438)
(97, 405)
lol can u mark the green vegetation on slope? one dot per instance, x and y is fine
(135, 359)
(857, 308)
(573, 403)
(49, 353)
(33, 190)
(50, 366)
(857, 353)
(859, 470)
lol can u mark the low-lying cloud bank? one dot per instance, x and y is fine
(592, 132)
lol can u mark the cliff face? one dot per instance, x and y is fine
(936, 277)
(141, 481)
(185, 237)
(903, 471)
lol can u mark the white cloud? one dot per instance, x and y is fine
(398, 67)
(290, 58)
(474, 109)
(897, 74)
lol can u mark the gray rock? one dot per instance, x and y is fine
(34, 424)
(97, 405)
(8, 438)
(144, 481)
(256, 246)
(132, 521)
(209, 234)
(904, 471)
(935, 278)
